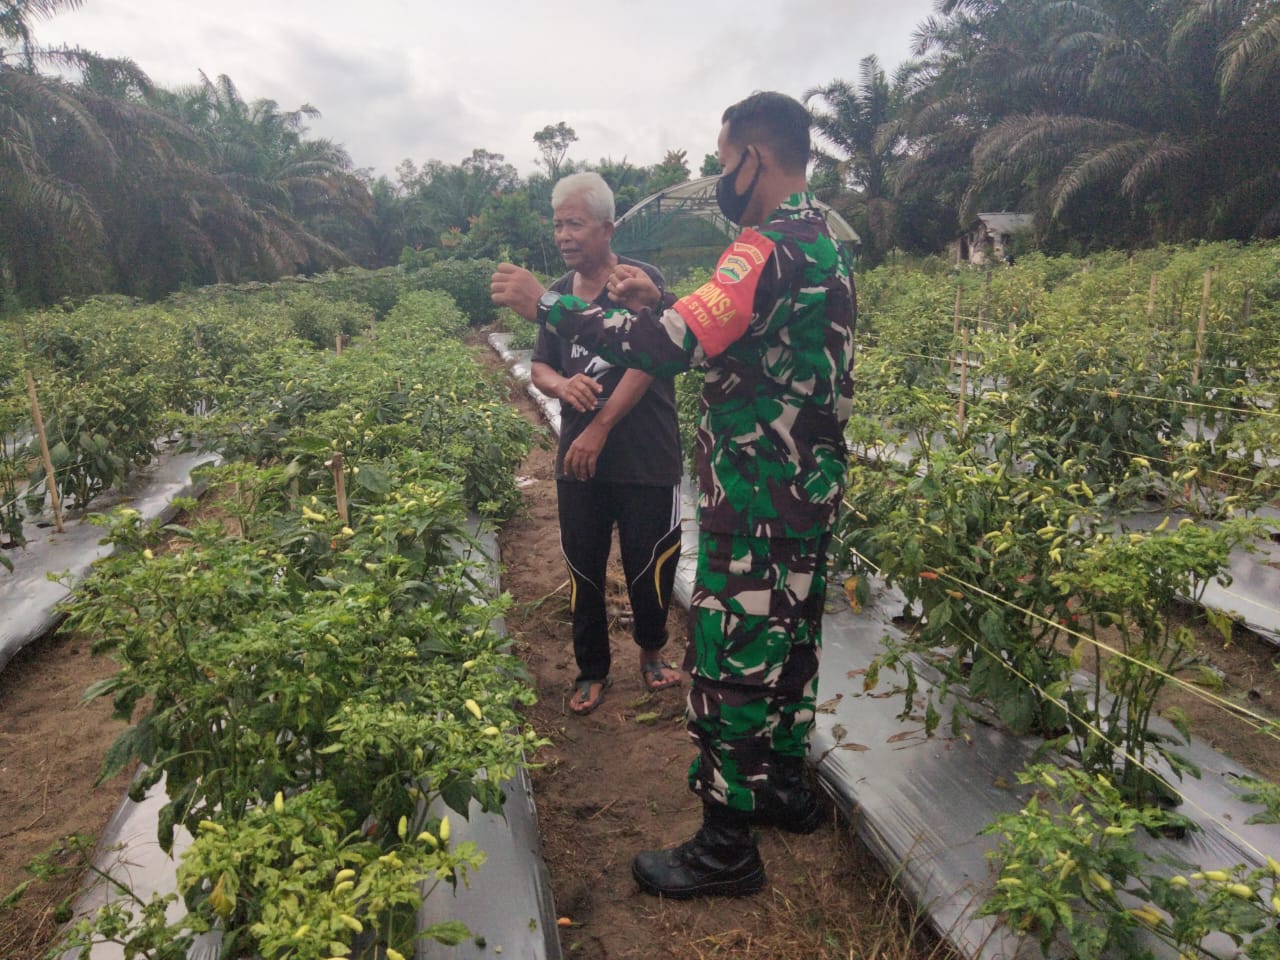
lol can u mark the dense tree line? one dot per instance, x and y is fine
(1117, 122)
(108, 182)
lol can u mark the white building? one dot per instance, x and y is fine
(990, 236)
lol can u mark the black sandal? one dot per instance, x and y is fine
(582, 690)
(651, 674)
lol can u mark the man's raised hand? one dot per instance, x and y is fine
(517, 288)
(633, 288)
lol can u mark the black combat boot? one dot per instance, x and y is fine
(787, 801)
(720, 861)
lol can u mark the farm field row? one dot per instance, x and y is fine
(1014, 430)
(997, 444)
(309, 668)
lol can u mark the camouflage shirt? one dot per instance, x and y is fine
(773, 329)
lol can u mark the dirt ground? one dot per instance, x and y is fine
(1244, 671)
(611, 784)
(51, 748)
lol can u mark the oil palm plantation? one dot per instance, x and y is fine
(280, 198)
(107, 183)
(1115, 120)
(38, 202)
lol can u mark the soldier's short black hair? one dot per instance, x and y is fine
(775, 119)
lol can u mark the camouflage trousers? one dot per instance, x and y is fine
(755, 638)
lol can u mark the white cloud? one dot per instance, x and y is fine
(432, 80)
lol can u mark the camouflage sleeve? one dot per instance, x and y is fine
(657, 342)
(741, 299)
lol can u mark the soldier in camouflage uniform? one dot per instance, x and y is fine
(774, 330)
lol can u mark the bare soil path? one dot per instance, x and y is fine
(613, 783)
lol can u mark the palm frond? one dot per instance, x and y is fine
(1205, 21)
(1159, 159)
(1105, 164)
(1079, 43)
(1250, 56)
(1258, 199)
(1084, 16)
(61, 205)
(45, 97)
(1043, 133)
(929, 35)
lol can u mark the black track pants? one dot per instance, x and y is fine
(648, 521)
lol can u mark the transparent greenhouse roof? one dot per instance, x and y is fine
(681, 225)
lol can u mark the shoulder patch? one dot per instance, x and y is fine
(719, 311)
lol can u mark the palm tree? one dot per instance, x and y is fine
(1118, 121)
(858, 122)
(289, 193)
(16, 17)
(449, 198)
(47, 223)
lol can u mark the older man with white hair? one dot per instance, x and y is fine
(618, 460)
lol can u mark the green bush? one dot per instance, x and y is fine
(377, 289)
(318, 319)
(467, 281)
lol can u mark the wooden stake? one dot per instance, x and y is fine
(1151, 294)
(955, 327)
(1204, 317)
(964, 378)
(1248, 307)
(334, 464)
(50, 481)
(338, 344)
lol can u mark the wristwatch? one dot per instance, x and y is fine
(545, 303)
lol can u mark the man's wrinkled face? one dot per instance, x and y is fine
(583, 240)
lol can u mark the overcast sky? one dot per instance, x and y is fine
(434, 80)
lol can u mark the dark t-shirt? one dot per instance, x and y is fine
(644, 446)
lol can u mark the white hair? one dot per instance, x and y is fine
(593, 190)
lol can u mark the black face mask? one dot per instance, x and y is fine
(733, 204)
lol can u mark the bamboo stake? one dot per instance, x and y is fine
(964, 378)
(50, 481)
(1204, 317)
(334, 464)
(955, 327)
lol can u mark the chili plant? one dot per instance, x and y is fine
(256, 682)
(1071, 872)
(1128, 587)
(972, 544)
(291, 878)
